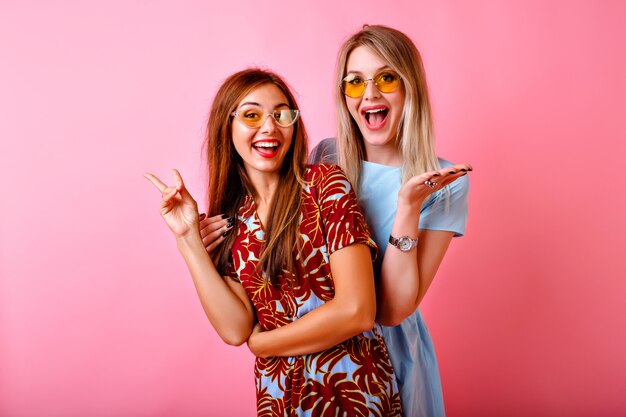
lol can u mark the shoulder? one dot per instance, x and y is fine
(326, 181)
(324, 152)
(324, 172)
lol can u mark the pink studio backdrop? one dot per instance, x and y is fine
(98, 316)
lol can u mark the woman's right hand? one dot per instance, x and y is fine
(416, 189)
(178, 208)
(213, 230)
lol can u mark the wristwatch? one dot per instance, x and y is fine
(404, 243)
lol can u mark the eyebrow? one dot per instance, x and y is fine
(384, 67)
(253, 103)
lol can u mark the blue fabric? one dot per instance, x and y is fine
(409, 344)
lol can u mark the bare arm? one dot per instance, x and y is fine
(224, 301)
(406, 276)
(351, 312)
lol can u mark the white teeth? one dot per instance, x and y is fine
(266, 144)
(375, 111)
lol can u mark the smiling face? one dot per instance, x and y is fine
(263, 148)
(377, 114)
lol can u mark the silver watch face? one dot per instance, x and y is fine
(404, 243)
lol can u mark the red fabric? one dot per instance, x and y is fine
(354, 377)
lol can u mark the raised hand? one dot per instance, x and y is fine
(178, 208)
(419, 187)
(213, 230)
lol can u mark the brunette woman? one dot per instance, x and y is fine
(297, 261)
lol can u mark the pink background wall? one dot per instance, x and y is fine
(98, 316)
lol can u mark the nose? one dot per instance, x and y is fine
(371, 91)
(269, 124)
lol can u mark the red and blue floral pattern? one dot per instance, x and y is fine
(353, 378)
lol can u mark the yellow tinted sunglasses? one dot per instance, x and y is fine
(354, 85)
(255, 116)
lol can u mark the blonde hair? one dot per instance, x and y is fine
(414, 138)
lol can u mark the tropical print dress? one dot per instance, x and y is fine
(353, 378)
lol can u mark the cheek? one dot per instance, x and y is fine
(398, 102)
(288, 138)
(240, 138)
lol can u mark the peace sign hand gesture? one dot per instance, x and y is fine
(178, 208)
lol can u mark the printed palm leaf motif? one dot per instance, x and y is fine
(319, 283)
(327, 383)
(365, 375)
(276, 369)
(314, 255)
(258, 287)
(380, 354)
(293, 394)
(388, 406)
(373, 372)
(326, 359)
(269, 320)
(335, 396)
(268, 406)
(341, 214)
(310, 222)
(292, 295)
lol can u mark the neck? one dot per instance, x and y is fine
(387, 154)
(265, 187)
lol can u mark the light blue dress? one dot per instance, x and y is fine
(409, 344)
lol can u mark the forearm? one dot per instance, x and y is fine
(406, 276)
(227, 312)
(399, 281)
(322, 328)
(350, 312)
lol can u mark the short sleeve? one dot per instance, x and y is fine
(447, 213)
(324, 152)
(342, 219)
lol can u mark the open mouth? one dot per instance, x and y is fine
(375, 118)
(266, 149)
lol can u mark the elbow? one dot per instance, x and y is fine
(235, 338)
(393, 312)
(362, 319)
(392, 317)
(364, 324)
(390, 320)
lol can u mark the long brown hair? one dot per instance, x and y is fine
(229, 184)
(415, 137)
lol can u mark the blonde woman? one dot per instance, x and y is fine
(414, 202)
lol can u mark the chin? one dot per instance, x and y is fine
(378, 139)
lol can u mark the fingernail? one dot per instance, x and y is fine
(224, 216)
(451, 172)
(229, 225)
(470, 169)
(224, 234)
(463, 169)
(231, 219)
(436, 175)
